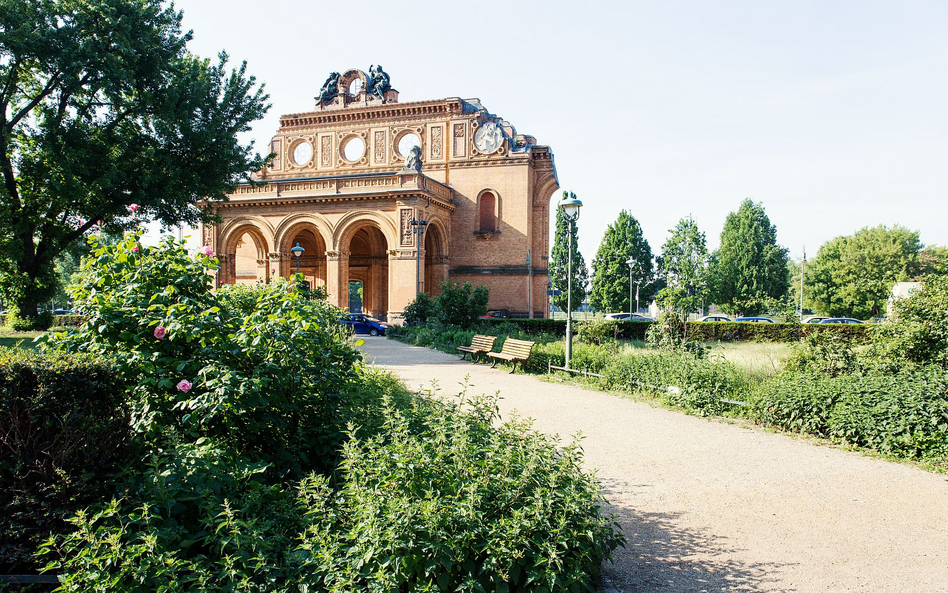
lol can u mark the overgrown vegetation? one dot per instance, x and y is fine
(879, 387)
(270, 459)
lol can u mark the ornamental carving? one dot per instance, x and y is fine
(460, 146)
(325, 151)
(379, 146)
(405, 226)
(437, 142)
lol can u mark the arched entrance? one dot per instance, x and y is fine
(366, 275)
(312, 262)
(245, 257)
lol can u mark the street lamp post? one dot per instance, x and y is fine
(570, 205)
(297, 251)
(631, 263)
(418, 226)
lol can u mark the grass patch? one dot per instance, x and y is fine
(15, 339)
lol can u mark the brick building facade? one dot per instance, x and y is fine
(346, 185)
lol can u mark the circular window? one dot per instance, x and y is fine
(355, 87)
(406, 142)
(354, 149)
(302, 153)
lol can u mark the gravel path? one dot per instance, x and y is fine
(709, 506)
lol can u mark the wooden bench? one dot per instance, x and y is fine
(479, 345)
(513, 351)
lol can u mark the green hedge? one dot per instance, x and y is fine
(64, 431)
(772, 332)
(702, 331)
(904, 414)
(68, 320)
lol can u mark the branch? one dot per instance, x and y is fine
(47, 90)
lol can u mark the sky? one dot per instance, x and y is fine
(833, 115)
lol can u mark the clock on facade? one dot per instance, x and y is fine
(302, 153)
(488, 137)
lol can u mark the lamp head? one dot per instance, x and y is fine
(570, 205)
(298, 250)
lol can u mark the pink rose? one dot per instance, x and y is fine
(160, 332)
(135, 248)
(208, 251)
(184, 385)
(273, 270)
(133, 207)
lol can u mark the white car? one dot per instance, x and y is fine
(627, 317)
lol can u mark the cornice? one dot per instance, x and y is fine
(450, 107)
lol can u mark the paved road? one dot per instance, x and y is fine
(710, 506)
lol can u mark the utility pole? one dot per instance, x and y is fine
(529, 286)
(802, 266)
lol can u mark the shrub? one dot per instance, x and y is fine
(680, 378)
(461, 305)
(420, 310)
(598, 331)
(260, 370)
(822, 353)
(64, 433)
(41, 322)
(447, 501)
(195, 519)
(918, 332)
(904, 414)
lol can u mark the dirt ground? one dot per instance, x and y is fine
(713, 506)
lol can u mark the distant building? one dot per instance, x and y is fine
(901, 290)
(354, 176)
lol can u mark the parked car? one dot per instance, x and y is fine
(495, 314)
(627, 317)
(849, 320)
(63, 312)
(714, 318)
(815, 319)
(363, 324)
(755, 319)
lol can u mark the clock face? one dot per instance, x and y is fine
(488, 137)
(302, 153)
(406, 142)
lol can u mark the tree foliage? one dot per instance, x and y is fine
(559, 261)
(622, 241)
(918, 331)
(106, 120)
(683, 267)
(852, 276)
(749, 270)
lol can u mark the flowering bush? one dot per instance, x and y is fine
(261, 369)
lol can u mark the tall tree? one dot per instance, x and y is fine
(611, 274)
(683, 266)
(853, 276)
(749, 271)
(106, 120)
(559, 260)
(933, 259)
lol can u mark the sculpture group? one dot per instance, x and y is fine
(379, 82)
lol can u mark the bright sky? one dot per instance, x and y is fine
(833, 114)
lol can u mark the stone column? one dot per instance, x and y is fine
(275, 267)
(337, 278)
(401, 286)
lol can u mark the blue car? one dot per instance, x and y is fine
(363, 324)
(755, 319)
